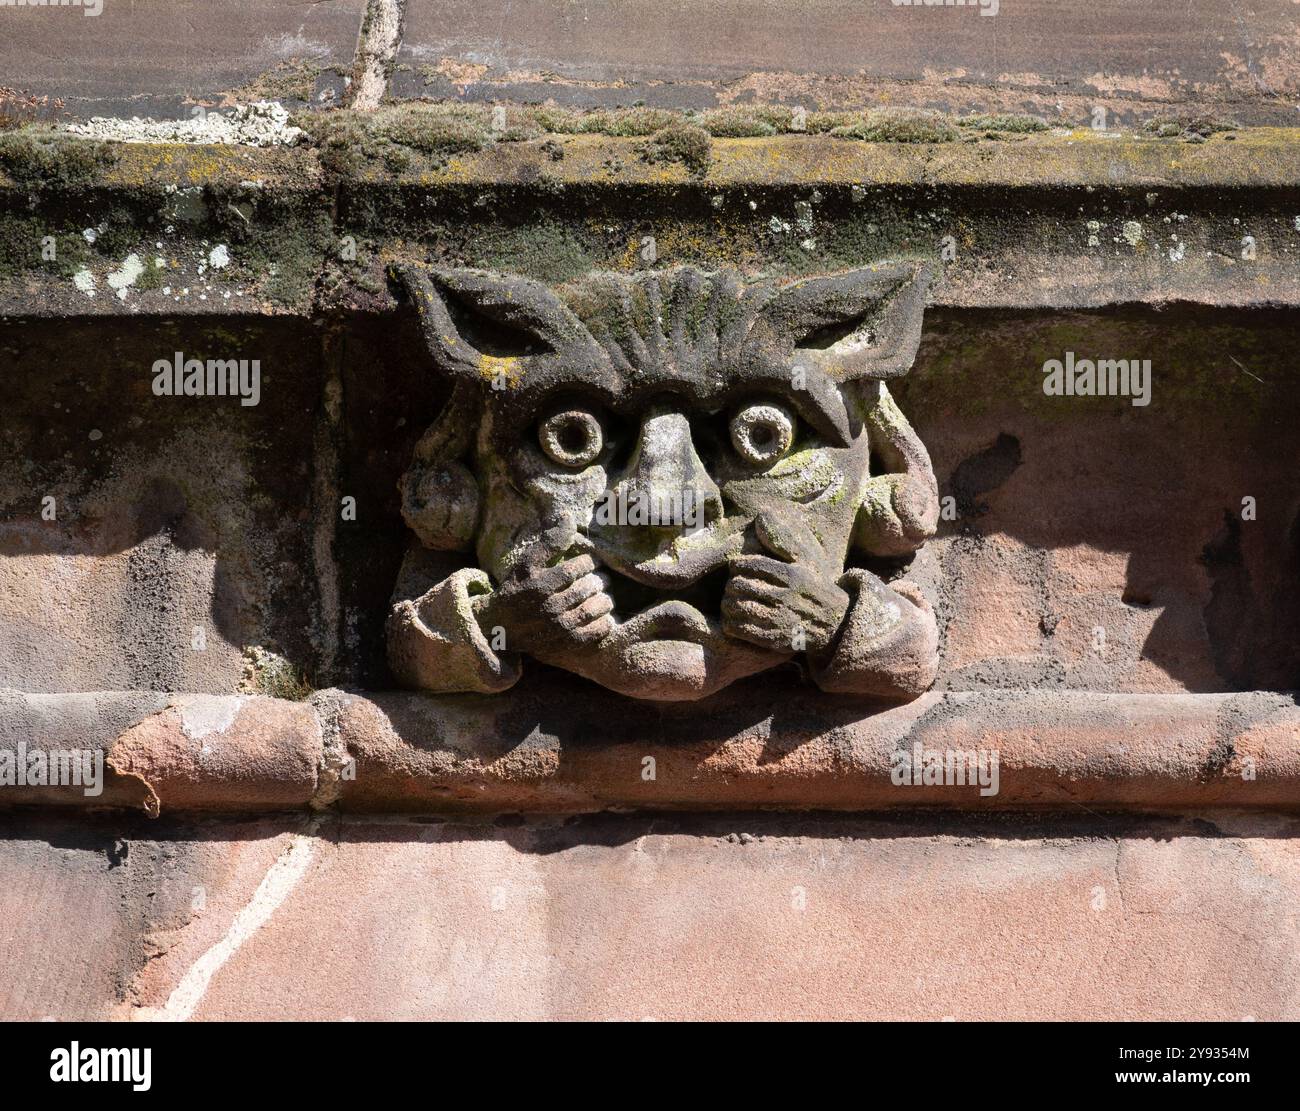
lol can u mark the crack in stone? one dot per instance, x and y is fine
(276, 886)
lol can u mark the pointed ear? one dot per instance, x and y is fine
(861, 324)
(472, 319)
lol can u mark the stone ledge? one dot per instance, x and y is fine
(1051, 220)
(1256, 158)
(551, 750)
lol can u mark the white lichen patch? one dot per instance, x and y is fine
(219, 257)
(121, 280)
(803, 217)
(1132, 232)
(204, 714)
(84, 280)
(264, 123)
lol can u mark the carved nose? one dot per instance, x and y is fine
(667, 475)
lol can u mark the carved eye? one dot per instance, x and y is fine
(762, 433)
(572, 437)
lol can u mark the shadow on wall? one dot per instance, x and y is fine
(1095, 543)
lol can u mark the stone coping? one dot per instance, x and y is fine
(355, 146)
(1051, 219)
(549, 749)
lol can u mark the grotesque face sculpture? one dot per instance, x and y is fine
(663, 475)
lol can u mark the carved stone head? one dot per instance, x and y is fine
(714, 448)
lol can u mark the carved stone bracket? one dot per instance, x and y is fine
(668, 480)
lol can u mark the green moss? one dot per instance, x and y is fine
(408, 138)
(118, 231)
(413, 139)
(745, 122)
(552, 251)
(696, 313)
(557, 121)
(1193, 127)
(396, 160)
(268, 673)
(278, 242)
(691, 146)
(823, 123)
(154, 277)
(888, 126)
(628, 122)
(24, 241)
(41, 159)
(438, 133)
(292, 80)
(998, 124)
(283, 266)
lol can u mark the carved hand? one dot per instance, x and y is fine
(544, 603)
(786, 606)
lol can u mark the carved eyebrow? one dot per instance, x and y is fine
(819, 402)
(706, 386)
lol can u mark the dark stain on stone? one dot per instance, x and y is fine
(1288, 639)
(1228, 613)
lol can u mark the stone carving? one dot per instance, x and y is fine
(662, 475)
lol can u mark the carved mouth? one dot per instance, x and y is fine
(676, 562)
(671, 621)
(690, 613)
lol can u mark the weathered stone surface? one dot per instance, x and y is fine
(1070, 513)
(1059, 60)
(148, 540)
(85, 724)
(1115, 643)
(544, 751)
(211, 752)
(556, 747)
(1147, 541)
(629, 918)
(1034, 55)
(1070, 219)
(87, 908)
(164, 57)
(208, 752)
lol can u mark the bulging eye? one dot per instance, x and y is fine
(762, 433)
(571, 437)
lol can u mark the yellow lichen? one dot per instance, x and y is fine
(507, 369)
